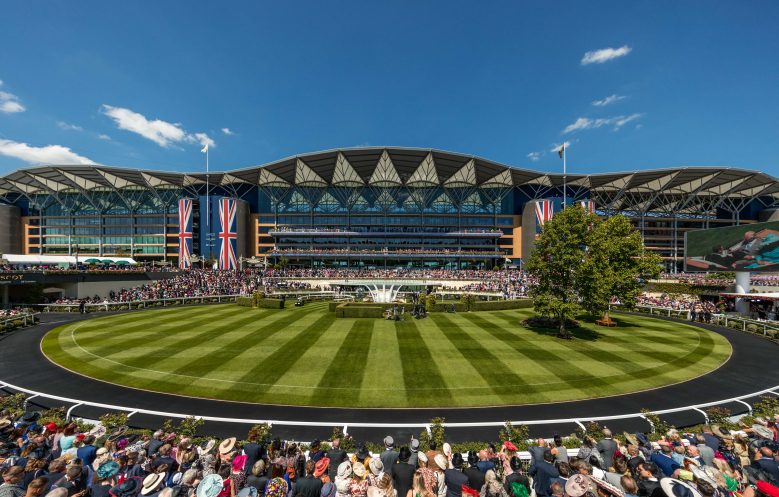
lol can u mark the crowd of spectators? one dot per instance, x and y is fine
(59, 461)
(361, 251)
(389, 229)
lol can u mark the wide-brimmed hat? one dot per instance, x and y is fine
(510, 446)
(717, 430)
(206, 446)
(631, 439)
(344, 469)
(30, 417)
(117, 433)
(577, 485)
(359, 470)
(5, 422)
(152, 482)
(209, 486)
(441, 461)
(376, 466)
(107, 470)
(700, 474)
(227, 445)
(97, 431)
(766, 488)
(239, 462)
(678, 488)
(321, 466)
(128, 488)
(763, 432)
(608, 487)
(422, 457)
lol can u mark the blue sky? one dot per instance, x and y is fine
(145, 84)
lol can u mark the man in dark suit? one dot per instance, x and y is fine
(155, 443)
(606, 447)
(308, 486)
(390, 456)
(253, 451)
(454, 478)
(403, 472)
(336, 456)
(474, 474)
(764, 459)
(543, 472)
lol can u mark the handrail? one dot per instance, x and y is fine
(23, 316)
(424, 425)
(717, 318)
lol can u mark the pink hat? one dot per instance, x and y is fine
(238, 463)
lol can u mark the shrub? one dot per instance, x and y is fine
(257, 297)
(14, 403)
(467, 301)
(430, 302)
(244, 301)
(436, 434)
(752, 328)
(271, 304)
(351, 311)
(113, 421)
(518, 435)
(659, 427)
(766, 407)
(263, 433)
(188, 426)
(720, 416)
(347, 442)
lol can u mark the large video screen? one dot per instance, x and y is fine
(749, 247)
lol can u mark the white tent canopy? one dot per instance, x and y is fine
(33, 260)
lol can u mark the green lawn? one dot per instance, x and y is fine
(305, 356)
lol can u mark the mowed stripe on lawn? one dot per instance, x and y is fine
(425, 385)
(306, 356)
(345, 373)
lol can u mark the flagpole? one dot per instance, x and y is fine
(208, 217)
(565, 173)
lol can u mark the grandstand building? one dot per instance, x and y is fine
(361, 207)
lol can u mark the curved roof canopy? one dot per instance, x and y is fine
(682, 190)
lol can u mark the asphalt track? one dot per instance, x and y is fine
(754, 366)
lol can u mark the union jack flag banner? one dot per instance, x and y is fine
(588, 206)
(185, 233)
(544, 211)
(228, 235)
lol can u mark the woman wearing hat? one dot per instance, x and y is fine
(420, 487)
(276, 487)
(343, 479)
(383, 486)
(359, 484)
(492, 487)
(320, 469)
(517, 477)
(104, 479)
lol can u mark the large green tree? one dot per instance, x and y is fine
(556, 260)
(616, 265)
(581, 262)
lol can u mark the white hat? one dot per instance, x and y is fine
(152, 482)
(441, 461)
(376, 466)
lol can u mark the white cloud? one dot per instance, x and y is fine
(9, 103)
(69, 127)
(605, 55)
(50, 154)
(587, 123)
(203, 139)
(104, 137)
(534, 156)
(227, 131)
(608, 100)
(160, 132)
(556, 147)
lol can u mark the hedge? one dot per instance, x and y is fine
(271, 304)
(333, 306)
(502, 305)
(359, 311)
(245, 301)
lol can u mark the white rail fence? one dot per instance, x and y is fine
(732, 322)
(420, 425)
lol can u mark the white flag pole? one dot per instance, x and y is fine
(208, 206)
(565, 173)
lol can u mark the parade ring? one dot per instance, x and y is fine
(750, 369)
